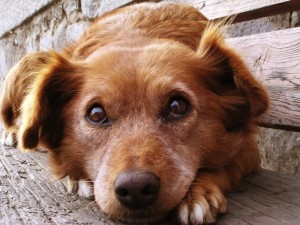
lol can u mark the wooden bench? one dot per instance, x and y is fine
(28, 196)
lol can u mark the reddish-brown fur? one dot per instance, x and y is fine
(132, 61)
(16, 87)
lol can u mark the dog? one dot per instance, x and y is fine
(149, 111)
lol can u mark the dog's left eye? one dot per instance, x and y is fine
(97, 115)
(177, 108)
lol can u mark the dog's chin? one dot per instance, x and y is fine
(156, 219)
(139, 217)
(143, 220)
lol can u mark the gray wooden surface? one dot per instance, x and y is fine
(243, 9)
(28, 195)
(274, 58)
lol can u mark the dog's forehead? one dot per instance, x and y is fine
(155, 64)
(142, 74)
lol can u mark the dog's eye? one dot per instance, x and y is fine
(97, 115)
(177, 107)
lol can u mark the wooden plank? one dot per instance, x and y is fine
(28, 196)
(243, 9)
(274, 58)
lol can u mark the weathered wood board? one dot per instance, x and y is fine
(243, 9)
(274, 58)
(29, 196)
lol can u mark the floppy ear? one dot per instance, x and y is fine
(241, 96)
(42, 123)
(16, 83)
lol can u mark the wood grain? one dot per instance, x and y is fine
(274, 58)
(28, 195)
(243, 9)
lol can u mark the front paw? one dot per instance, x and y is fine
(8, 139)
(83, 188)
(201, 205)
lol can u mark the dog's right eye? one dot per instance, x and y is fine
(96, 115)
(177, 108)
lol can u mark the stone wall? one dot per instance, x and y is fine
(27, 26)
(46, 25)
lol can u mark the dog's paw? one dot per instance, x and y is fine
(8, 139)
(82, 187)
(201, 205)
(85, 189)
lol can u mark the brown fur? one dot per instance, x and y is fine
(132, 61)
(16, 86)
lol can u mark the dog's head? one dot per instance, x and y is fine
(141, 121)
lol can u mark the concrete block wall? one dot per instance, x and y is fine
(28, 26)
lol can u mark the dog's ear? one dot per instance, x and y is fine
(52, 88)
(16, 83)
(241, 96)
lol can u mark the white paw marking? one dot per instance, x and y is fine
(194, 214)
(82, 188)
(3, 137)
(85, 189)
(183, 213)
(8, 139)
(71, 185)
(198, 211)
(197, 214)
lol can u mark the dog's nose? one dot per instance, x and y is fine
(137, 189)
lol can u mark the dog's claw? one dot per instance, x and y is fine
(201, 206)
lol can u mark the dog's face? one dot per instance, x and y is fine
(140, 122)
(138, 111)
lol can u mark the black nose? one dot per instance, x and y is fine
(137, 189)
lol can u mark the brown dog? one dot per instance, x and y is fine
(150, 107)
